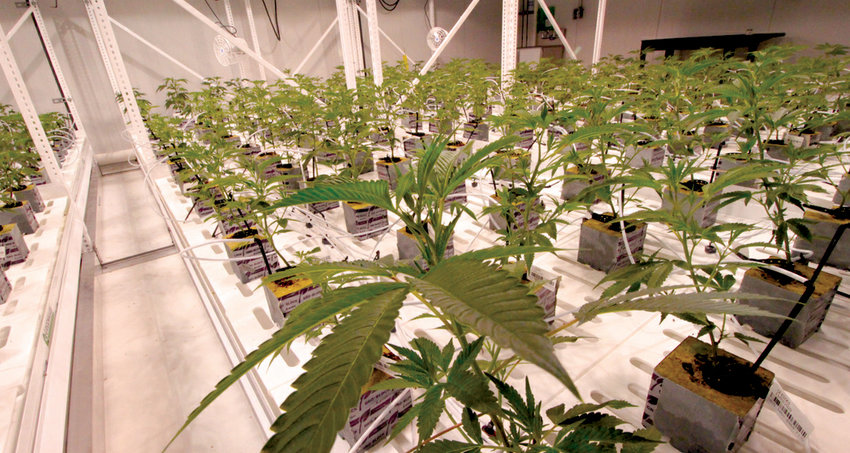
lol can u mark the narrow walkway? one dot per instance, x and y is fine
(155, 353)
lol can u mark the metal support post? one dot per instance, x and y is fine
(452, 33)
(228, 11)
(557, 28)
(374, 42)
(50, 52)
(254, 41)
(136, 127)
(25, 106)
(346, 39)
(510, 21)
(600, 26)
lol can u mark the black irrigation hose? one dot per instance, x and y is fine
(229, 28)
(389, 5)
(810, 289)
(275, 24)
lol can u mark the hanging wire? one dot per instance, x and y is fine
(228, 28)
(425, 10)
(275, 23)
(389, 5)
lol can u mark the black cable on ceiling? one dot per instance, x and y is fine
(229, 28)
(389, 5)
(275, 23)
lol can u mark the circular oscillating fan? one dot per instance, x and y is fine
(225, 52)
(435, 37)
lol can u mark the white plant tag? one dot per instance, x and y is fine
(796, 421)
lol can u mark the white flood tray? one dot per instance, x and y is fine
(23, 314)
(614, 358)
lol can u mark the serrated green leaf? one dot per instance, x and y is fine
(497, 305)
(557, 415)
(448, 446)
(393, 384)
(430, 410)
(472, 391)
(471, 425)
(302, 319)
(331, 384)
(375, 193)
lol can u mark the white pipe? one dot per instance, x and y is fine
(448, 39)
(155, 48)
(600, 25)
(432, 11)
(557, 28)
(256, 42)
(18, 24)
(236, 42)
(316, 46)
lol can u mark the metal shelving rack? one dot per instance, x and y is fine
(39, 421)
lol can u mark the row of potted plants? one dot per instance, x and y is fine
(20, 174)
(661, 146)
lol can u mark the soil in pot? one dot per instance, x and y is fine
(572, 187)
(776, 149)
(20, 213)
(390, 168)
(731, 161)
(13, 244)
(498, 220)
(601, 243)
(683, 404)
(705, 215)
(30, 194)
(787, 292)
(284, 294)
(253, 266)
(823, 226)
(364, 221)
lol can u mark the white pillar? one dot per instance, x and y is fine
(510, 21)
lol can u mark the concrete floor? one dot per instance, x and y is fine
(154, 351)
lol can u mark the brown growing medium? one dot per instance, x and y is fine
(825, 283)
(741, 388)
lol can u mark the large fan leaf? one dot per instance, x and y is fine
(495, 304)
(302, 319)
(376, 193)
(704, 303)
(333, 378)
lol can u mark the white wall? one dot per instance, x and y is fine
(627, 22)
(302, 22)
